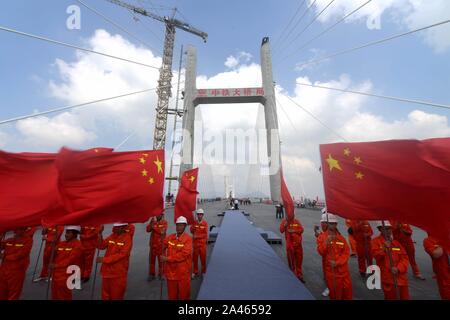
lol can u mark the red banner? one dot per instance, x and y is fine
(403, 180)
(186, 201)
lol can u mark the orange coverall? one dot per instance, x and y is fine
(16, 258)
(199, 232)
(441, 266)
(52, 234)
(130, 230)
(351, 239)
(29, 232)
(178, 266)
(115, 264)
(67, 253)
(403, 233)
(338, 277)
(362, 232)
(158, 230)
(399, 261)
(293, 233)
(89, 239)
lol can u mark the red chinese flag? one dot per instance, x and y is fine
(28, 188)
(105, 187)
(186, 201)
(403, 180)
(288, 203)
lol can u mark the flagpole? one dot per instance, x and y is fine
(37, 260)
(162, 271)
(52, 257)
(366, 251)
(1, 239)
(150, 251)
(100, 239)
(391, 261)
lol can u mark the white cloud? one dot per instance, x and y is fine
(300, 133)
(64, 129)
(234, 61)
(231, 62)
(3, 139)
(91, 77)
(411, 14)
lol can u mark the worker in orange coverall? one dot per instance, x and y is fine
(67, 253)
(351, 239)
(441, 266)
(199, 230)
(383, 248)
(50, 235)
(15, 256)
(335, 252)
(403, 233)
(158, 228)
(320, 232)
(115, 262)
(293, 229)
(90, 236)
(362, 232)
(177, 257)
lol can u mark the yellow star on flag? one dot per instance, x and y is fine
(192, 179)
(144, 173)
(333, 163)
(142, 160)
(359, 175)
(151, 181)
(145, 155)
(347, 152)
(357, 160)
(158, 164)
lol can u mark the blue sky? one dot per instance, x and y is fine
(409, 67)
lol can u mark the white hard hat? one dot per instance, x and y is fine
(181, 220)
(120, 224)
(200, 211)
(331, 218)
(386, 223)
(323, 218)
(73, 228)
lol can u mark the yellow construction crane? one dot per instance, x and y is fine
(165, 76)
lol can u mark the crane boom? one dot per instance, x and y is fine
(165, 73)
(175, 22)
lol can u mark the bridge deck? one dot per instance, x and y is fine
(243, 266)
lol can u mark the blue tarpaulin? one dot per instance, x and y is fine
(243, 266)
